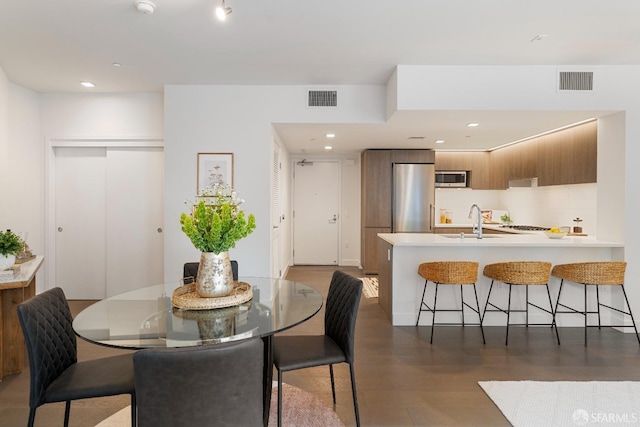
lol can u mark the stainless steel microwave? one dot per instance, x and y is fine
(451, 178)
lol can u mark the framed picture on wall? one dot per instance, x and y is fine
(214, 168)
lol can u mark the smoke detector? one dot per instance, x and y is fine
(145, 6)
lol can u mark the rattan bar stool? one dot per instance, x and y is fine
(604, 273)
(449, 273)
(520, 273)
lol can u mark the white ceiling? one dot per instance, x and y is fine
(53, 45)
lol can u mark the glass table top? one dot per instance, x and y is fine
(145, 318)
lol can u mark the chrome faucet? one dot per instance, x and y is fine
(477, 228)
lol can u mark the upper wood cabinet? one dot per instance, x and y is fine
(376, 188)
(412, 156)
(568, 156)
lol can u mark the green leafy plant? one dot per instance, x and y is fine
(216, 223)
(10, 243)
(505, 218)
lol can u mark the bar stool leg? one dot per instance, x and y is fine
(526, 313)
(421, 302)
(506, 341)
(486, 304)
(462, 302)
(585, 315)
(630, 314)
(433, 319)
(553, 314)
(598, 301)
(479, 315)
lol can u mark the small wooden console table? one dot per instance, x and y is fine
(12, 292)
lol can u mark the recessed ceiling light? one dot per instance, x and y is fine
(328, 147)
(331, 135)
(440, 141)
(87, 84)
(473, 125)
(117, 64)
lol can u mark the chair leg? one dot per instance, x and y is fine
(134, 414)
(32, 417)
(506, 340)
(486, 304)
(355, 395)
(67, 409)
(479, 315)
(526, 306)
(279, 398)
(333, 385)
(553, 314)
(585, 315)
(630, 314)
(421, 302)
(433, 318)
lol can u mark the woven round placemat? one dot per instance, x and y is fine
(186, 297)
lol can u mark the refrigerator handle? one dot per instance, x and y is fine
(432, 211)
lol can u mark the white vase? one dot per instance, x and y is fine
(7, 261)
(215, 277)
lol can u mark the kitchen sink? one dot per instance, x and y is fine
(470, 236)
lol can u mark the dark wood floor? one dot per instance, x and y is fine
(402, 380)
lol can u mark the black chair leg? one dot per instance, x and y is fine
(355, 395)
(506, 340)
(67, 409)
(585, 315)
(333, 385)
(32, 417)
(279, 398)
(462, 301)
(421, 302)
(134, 414)
(630, 313)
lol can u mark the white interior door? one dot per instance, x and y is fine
(81, 222)
(109, 219)
(316, 213)
(134, 218)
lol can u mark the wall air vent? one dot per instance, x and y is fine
(322, 98)
(575, 80)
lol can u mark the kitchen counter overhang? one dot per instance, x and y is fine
(400, 286)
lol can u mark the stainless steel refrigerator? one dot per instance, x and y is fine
(413, 198)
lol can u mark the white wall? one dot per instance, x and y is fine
(238, 119)
(4, 149)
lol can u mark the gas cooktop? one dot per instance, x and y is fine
(526, 227)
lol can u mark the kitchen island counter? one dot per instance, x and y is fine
(400, 286)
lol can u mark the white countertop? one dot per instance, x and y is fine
(530, 239)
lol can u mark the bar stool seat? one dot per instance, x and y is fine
(520, 273)
(599, 273)
(449, 273)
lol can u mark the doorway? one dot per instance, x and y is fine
(316, 208)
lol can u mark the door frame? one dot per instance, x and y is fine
(50, 182)
(339, 161)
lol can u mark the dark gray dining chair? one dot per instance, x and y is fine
(56, 375)
(190, 271)
(211, 385)
(293, 352)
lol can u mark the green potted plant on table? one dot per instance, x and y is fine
(10, 246)
(214, 226)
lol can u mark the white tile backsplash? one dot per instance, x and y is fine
(551, 206)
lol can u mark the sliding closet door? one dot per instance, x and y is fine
(81, 221)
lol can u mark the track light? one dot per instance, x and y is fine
(222, 11)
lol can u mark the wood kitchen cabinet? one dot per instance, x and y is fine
(475, 162)
(568, 156)
(370, 242)
(412, 156)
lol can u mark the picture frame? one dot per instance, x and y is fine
(214, 168)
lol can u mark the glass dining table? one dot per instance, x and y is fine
(145, 318)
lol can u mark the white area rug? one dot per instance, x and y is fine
(369, 287)
(566, 403)
(299, 409)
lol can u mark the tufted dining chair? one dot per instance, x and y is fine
(56, 375)
(293, 352)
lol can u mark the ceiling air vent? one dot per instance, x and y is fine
(575, 80)
(322, 98)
